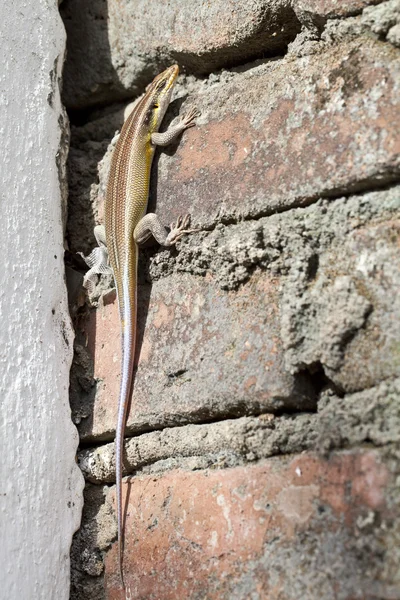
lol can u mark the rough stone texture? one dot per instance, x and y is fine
(301, 527)
(342, 314)
(129, 42)
(317, 292)
(275, 136)
(116, 47)
(319, 16)
(320, 124)
(41, 485)
(266, 393)
(90, 542)
(323, 21)
(189, 322)
(369, 416)
(331, 8)
(380, 22)
(393, 35)
(384, 20)
(89, 145)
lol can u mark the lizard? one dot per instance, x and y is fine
(127, 226)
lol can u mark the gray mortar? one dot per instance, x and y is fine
(321, 310)
(370, 416)
(380, 22)
(327, 308)
(89, 544)
(364, 558)
(383, 20)
(231, 253)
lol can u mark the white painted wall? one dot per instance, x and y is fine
(40, 484)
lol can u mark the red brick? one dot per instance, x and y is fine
(285, 133)
(255, 529)
(205, 353)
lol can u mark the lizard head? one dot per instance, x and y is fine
(158, 95)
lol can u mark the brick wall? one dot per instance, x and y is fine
(263, 436)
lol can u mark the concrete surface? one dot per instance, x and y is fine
(41, 485)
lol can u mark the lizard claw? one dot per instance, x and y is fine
(179, 229)
(189, 119)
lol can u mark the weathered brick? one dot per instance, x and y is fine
(276, 136)
(345, 316)
(285, 133)
(371, 258)
(372, 416)
(324, 9)
(339, 273)
(239, 319)
(206, 354)
(115, 46)
(317, 290)
(285, 528)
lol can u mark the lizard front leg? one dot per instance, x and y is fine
(151, 226)
(186, 121)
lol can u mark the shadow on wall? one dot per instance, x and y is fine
(116, 48)
(88, 48)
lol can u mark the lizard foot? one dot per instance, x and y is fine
(97, 261)
(179, 229)
(189, 119)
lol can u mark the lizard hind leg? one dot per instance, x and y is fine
(97, 261)
(150, 225)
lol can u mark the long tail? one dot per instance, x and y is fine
(128, 339)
